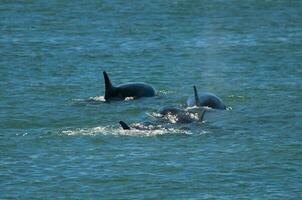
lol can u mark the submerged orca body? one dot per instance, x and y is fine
(205, 99)
(178, 115)
(170, 110)
(120, 92)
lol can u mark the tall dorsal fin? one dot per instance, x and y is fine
(108, 86)
(124, 125)
(197, 100)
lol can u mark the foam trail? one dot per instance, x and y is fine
(107, 130)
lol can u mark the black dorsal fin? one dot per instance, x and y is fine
(124, 125)
(108, 86)
(197, 100)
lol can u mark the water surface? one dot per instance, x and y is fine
(56, 144)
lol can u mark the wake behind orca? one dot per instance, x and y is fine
(120, 92)
(205, 99)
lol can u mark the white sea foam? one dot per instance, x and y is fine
(90, 100)
(97, 98)
(165, 92)
(229, 108)
(120, 132)
(129, 98)
(85, 131)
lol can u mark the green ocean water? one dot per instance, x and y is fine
(58, 139)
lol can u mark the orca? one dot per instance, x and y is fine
(181, 116)
(178, 115)
(121, 92)
(205, 99)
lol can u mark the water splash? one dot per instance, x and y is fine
(129, 98)
(97, 99)
(165, 92)
(229, 108)
(108, 130)
(90, 100)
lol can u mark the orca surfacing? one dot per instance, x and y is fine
(120, 92)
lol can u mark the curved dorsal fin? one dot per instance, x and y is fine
(197, 101)
(124, 125)
(108, 86)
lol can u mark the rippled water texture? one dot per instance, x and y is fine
(58, 139)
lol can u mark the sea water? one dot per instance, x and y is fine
(58, 139)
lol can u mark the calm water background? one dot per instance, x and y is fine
(55, 143)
